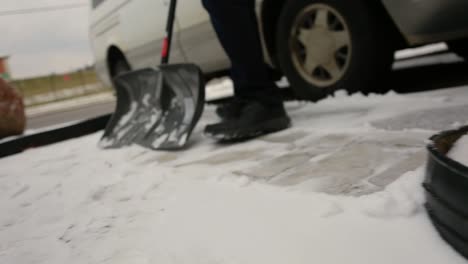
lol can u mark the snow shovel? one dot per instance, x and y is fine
(159, 107)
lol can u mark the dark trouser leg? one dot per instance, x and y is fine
(237, 29)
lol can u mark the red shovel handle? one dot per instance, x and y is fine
(166, 48)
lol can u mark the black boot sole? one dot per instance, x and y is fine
(267, 127)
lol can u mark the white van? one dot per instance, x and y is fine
(128, 34)
(319, 45)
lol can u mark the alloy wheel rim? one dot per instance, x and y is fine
(320, 45)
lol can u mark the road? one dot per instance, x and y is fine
(70, 115)
(422, 73)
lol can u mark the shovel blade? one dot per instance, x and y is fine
(157, 108)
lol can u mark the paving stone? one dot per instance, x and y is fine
(228, 157)
(339, 172)
(167, 157)
(285, 137)
(361, 189)
(397, 139)
(431, 119)
(327, 142)
(273, 167)
(397, 170)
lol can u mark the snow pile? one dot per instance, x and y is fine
(459, 151)
(333, 189)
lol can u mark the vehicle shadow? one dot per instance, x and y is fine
(429, 77)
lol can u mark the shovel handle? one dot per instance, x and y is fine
(166, 49)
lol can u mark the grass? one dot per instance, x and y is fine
(104, 90)
(54, 84)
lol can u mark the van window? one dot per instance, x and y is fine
(96, 3)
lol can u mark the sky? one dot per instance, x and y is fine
(45, 43)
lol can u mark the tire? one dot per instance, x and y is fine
(460, 47)
(119, 66)
(358, 62)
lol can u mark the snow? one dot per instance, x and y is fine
(218, 89)
(459, 151)
(420, 51)
(342, 186)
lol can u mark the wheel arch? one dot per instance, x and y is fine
(114, 54)
(395, 35)
(271, 11)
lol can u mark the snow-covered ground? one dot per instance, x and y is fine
(459, 151)
(342, 186)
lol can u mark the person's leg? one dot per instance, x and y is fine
(237, 29)
(261, 110)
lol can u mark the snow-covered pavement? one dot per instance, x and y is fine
(342, 186)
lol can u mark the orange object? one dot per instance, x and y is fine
(12, 116)
(2, 68)
(66, 77)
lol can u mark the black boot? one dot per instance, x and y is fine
(231, 109)
(255, 119)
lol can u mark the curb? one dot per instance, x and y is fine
(18, 145)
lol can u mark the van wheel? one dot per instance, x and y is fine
(326, 45)
(119, 66)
